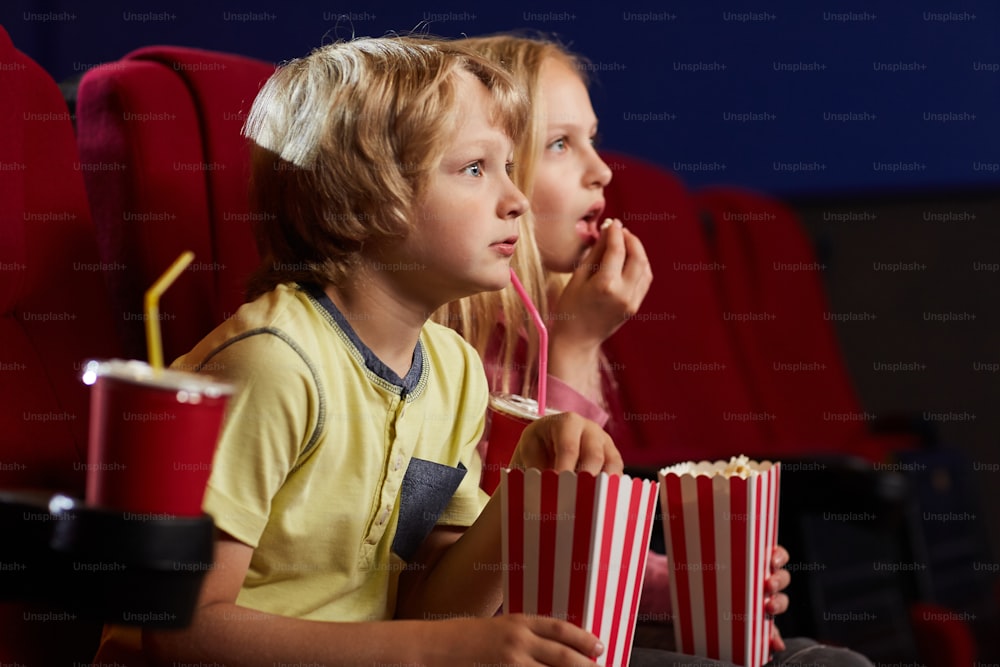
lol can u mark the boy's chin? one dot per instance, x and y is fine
(498, 284)
(478, 286)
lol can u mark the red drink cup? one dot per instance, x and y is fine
(509, 414)
(153, 434)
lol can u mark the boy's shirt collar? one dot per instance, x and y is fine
(372, 362)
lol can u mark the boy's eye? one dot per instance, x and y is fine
(595, 140)
(474, 169)
(558, 145)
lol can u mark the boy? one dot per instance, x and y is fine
(345, 485)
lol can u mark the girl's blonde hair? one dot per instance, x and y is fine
(476, 316)
(343, 142)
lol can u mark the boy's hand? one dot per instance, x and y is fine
(513, 639)
(567, 441)
(776, 601)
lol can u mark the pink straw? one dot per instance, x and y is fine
(543, 340)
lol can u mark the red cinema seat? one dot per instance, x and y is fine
(683, 390)
(55, 316)
(783, 329)
(52, 287)
(166, 169)
(734, 352)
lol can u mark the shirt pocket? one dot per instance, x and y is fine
(425, 493)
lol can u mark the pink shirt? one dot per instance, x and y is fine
(654, 605)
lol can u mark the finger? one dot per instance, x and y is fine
(599, 454)
(637, 271)
(533, 448)
(584, 270)
(777, 643)
(567, 635)
(637, 260)
(613, 463)
(779, 581)
(779, 557)
(594, 450)
(553, 654)
(563, 435)
(612, 260)
(591, 261)
(777, 604)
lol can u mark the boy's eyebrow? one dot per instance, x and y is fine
(485, 143)
(570, 123)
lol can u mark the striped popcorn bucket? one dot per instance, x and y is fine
(574, 547)
(720, 521)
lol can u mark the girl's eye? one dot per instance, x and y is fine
(558, 145)
(474, 169)
(510, 168)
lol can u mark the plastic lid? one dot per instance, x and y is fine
(139, 372)
(519, 406)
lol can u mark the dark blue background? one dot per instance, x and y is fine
(649, 101)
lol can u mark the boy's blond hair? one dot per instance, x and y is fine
(476, 316)
(343, 142)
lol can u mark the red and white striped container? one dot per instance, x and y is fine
(720, 530)
(574, 547)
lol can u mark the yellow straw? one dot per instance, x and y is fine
(154, 342)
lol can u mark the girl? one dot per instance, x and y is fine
(585, 280)
(587, 275)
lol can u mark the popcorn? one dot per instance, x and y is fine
(607, 223)
(738, 466)
(720, 522)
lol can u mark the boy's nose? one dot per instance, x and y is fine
(514, 204)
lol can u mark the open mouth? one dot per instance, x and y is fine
(589, 225)
(593, 214)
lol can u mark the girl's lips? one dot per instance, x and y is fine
(588, 231)
(588, 226)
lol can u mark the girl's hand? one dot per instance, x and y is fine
(776, 602)
(606, 289)
(567, 441)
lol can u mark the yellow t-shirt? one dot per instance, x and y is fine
(324, 449)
